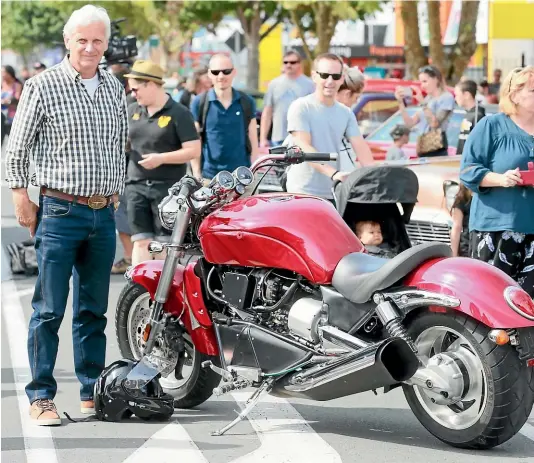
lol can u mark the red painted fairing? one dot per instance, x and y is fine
(301, 233)
(478, 285)
(147, 274)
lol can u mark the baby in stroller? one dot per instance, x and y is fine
(377, 202)
(370, 234)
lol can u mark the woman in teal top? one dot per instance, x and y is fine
(502, 210)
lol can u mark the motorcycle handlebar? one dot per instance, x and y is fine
(188, 186)
(311, 157)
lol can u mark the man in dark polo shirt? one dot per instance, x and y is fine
(230, 135)
(465, 94)
(163, 138)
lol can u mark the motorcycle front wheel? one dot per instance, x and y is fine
(495, 390)
(196, 384)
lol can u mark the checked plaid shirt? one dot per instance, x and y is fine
(77, 142)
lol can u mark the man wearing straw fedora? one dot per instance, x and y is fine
(163, 138)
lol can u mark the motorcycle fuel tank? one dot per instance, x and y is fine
(301, 233)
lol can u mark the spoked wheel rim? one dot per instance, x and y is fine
(138, 317)
(446, 349)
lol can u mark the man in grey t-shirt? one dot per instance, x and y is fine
(317, 122)
(282, 91)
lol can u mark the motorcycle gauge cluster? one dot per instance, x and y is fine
(225, 179)
(244, 175)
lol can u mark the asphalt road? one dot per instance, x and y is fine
(360, 428)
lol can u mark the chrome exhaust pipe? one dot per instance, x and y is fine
(378, 365)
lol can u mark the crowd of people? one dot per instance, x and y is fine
(107, 147)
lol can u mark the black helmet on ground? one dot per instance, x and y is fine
(115, 402)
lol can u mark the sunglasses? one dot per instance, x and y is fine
(226, 72)
(291, 62)
(136, 89)
(326, 75)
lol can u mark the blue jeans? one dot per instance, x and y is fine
(71, 239)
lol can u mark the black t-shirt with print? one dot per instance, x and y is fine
(162, 132)
(468, 124)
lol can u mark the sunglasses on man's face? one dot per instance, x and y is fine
(291, 62)
(226, 72)
(136, 89)
(326, 75)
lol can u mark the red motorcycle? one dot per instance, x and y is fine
(282, 297)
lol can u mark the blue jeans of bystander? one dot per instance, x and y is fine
(71, 240)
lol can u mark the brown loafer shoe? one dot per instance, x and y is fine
(43, 413)
(87, 407)
(121, 266)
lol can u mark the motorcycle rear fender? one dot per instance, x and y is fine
(185, 301)
(479, 287)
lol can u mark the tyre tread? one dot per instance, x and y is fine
(513, 385)
(206, 380)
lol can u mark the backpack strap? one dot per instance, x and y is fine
(203, 114)
(247, 117)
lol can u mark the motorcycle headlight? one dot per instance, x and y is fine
(167, 211)
(450, 190)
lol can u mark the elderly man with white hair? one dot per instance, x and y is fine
(72, 121)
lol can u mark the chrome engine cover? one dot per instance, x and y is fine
(303, 318)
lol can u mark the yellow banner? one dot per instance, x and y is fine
(271, 52)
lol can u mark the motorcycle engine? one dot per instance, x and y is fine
(279, 300)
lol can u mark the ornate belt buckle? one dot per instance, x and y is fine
(97, 202)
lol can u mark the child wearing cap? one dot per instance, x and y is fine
(400, 135)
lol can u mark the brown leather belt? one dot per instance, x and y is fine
(94, 202)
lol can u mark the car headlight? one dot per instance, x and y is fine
(167, 211)
(450, 190)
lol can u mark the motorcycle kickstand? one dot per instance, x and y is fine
(265, 387)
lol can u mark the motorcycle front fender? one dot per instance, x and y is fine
(185, 301)
(479, 287)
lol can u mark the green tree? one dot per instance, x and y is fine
(28, 24)
(131, 11)
(252, 16)
(319, 19)
(169, 20)
(453, 63)
(414, 51)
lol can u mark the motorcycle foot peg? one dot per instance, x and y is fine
(224, 373)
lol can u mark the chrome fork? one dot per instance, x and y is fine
(157, 321)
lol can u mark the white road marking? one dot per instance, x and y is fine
(38, 442)
(528, 431)
(25, 292)
(284, 435)
(177, 446)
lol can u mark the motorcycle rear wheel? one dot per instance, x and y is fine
(132, 312)
(499, 395)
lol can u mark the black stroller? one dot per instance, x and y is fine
(383, 194)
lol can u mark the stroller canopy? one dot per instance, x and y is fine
(379, 185)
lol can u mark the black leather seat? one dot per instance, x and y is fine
(357, 276)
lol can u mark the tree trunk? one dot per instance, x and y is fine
(326, 26)
(436, 52)
(164, 56)
(253, 60)
(466, 44)
(296, 21)
(414, 52)
(251, 27)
